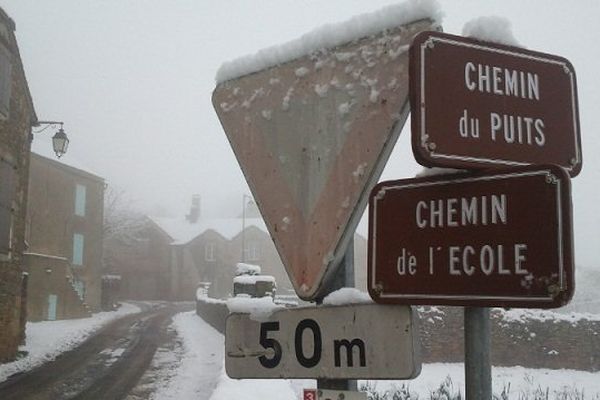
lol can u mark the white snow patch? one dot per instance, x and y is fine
(247, 269)
(199, 370)
(523, 315)
(491, 29)
(374, 95)
(301, 72)
(267, 114)
(400, 50)
(438, 171)
(523, 381)
(253, 389)
(335, 82)
(227, 107)
(47, 339)
(344, 108)
(344, 56)
(346, 296)
(260, 309)
(359, 171)
(321, 90)
(331, 35)
(253, 279)
(346, 202)
(257, 93)
(285, 105)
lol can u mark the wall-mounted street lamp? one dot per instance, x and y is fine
(60, 141)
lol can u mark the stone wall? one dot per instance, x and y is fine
(213, 311)
(534, 339)
(529, 339)
(16, 119)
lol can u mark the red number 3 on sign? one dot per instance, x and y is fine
(310, 394)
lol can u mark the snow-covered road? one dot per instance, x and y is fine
(47, 339)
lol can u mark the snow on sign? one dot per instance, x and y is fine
(336, 342)
(312, 136)
(499, 239)
(477, 104)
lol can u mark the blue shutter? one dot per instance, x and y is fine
(78, 249)
(80, 192)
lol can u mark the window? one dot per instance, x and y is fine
(80, 200)
(78, 249)
(7, 191)
(251, 251)
(5, 81)
(209, 252)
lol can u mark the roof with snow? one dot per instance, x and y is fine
(183, 231)
(331, 35)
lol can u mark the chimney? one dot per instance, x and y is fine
(194, 214)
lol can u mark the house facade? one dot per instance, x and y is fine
(172, 257)
(64, 234)
(17, 116)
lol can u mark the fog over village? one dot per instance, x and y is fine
(121, 259)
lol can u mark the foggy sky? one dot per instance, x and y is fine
(132, 81)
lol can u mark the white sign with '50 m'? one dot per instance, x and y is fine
(365, 341)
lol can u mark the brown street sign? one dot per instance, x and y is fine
(477, 104)
(334, 342)
(501, 239)
(312, 137)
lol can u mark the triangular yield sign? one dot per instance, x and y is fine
(312, 137)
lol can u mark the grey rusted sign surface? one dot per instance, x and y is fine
(325, 342)
(312, 137)
(501, 239)
(477, 104)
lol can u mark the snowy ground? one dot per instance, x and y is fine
(521, 383)
(47, 339)
(192, 367)
(199, 368)
(201, 375)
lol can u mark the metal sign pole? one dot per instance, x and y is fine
(344, 278)
(478, 367)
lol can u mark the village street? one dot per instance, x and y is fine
(108, 365)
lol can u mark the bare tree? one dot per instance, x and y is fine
(121, 221)
(123, 226)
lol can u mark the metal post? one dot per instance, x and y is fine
(344, 278)
(478, 367)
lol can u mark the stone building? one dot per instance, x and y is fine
(64, 234)
(171, 257)
(17, 116)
